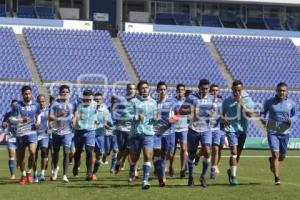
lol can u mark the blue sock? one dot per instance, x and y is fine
(206, 162)
(96, 166)
(113, 162)
(11, 164)
(162, 168)
(146, 170)
(191, 169)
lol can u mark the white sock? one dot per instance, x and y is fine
(43, 172)
(233, 170)
(24, 173)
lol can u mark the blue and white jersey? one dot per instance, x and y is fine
(43, 116)
(12, 128)
(216, 118)
(86, 116)
(237, 118)
(62, 125)
(121, 113)
(29, 110)
(103, 117)
(165, 110)
(146, 107)
(200, 121)
(182, 124)
(277, 112)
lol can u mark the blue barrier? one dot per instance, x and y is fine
(31, 22)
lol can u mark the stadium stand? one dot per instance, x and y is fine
(273, 23)
(256, 23)
(26, 11)
(12, 63)
(71, 55)
(44, 12)
(210, 20)
(171, 58)
(2, 10)
(164, 18)
(260, 62)
(182, 19)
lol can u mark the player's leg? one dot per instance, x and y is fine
(32, 146)
(115, 150)
(89, 148)
(11, 148)
(183, 153)
(157, 141)
(241, 142)
(192, 143)
(56, 143)
(147, 144)
(233, 144)
(222, 142)
(215, 153)
(172, 158)
(170, 148)
(79, 143)
(99, 151)
(135, 146)
(206, 141)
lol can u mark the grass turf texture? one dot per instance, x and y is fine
(256, 182)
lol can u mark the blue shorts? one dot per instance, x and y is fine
(222, 140)
(84, 138)
(11, 145)
(181, 137)
(236, 139)
(122, 139)
(25, 140)
(99, 144)
(43, 143)
(278, 143)
(216, 137)
(139, 142)
(62, 140)
(193, 139)
(110, 143)
(166, 143)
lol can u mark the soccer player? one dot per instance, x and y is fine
(123, 125)
(43, 138)
(26, 123)
(11, 140)
(104, 122)
(164, 138)
(85, 120)
(278, 115)
(218, 136)
(236, 110)
(181, 129)
(200, 106)
(60, 120)
(143, 111)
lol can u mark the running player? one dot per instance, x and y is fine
(278, 116)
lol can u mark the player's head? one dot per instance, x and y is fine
(237, 88)
(203, 87)
(26, 93)
(87, 97)
(161, 89)
(214, 90)
(282, 90)
(130, 90)
(98, 98)
(41, 99)
(180, 90)
(143, 88)
(13, 104)
(64, 92)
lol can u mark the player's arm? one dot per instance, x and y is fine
(247, 105)
(264, 113)
(224, 117)
(293, 114)
(5, 121)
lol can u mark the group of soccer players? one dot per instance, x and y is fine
(138, 123)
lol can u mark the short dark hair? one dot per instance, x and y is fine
(213, 85)
(236, 83)
(179, 85)
(160, 84)
(13, 101)
(87, 92)
(203, 82)
(188, 92)
(281, 84)
(40, 95)
(25, 88)
(98, 94)
(62, 87)
(142, 82)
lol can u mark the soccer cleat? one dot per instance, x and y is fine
(146, 185)
(35, 179)
(94, 177)
(234, 180)
(131, 176)
(54, 174)
(23, 180)
(171, 171)
(162, 183)
(191, 182)
(182, 173)
(203, 182)
(42, 177)
(212, 173)
(277, 181)
(75, 171)
(229, 176)
(29, 178)
(65, 179)
(89, 177)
